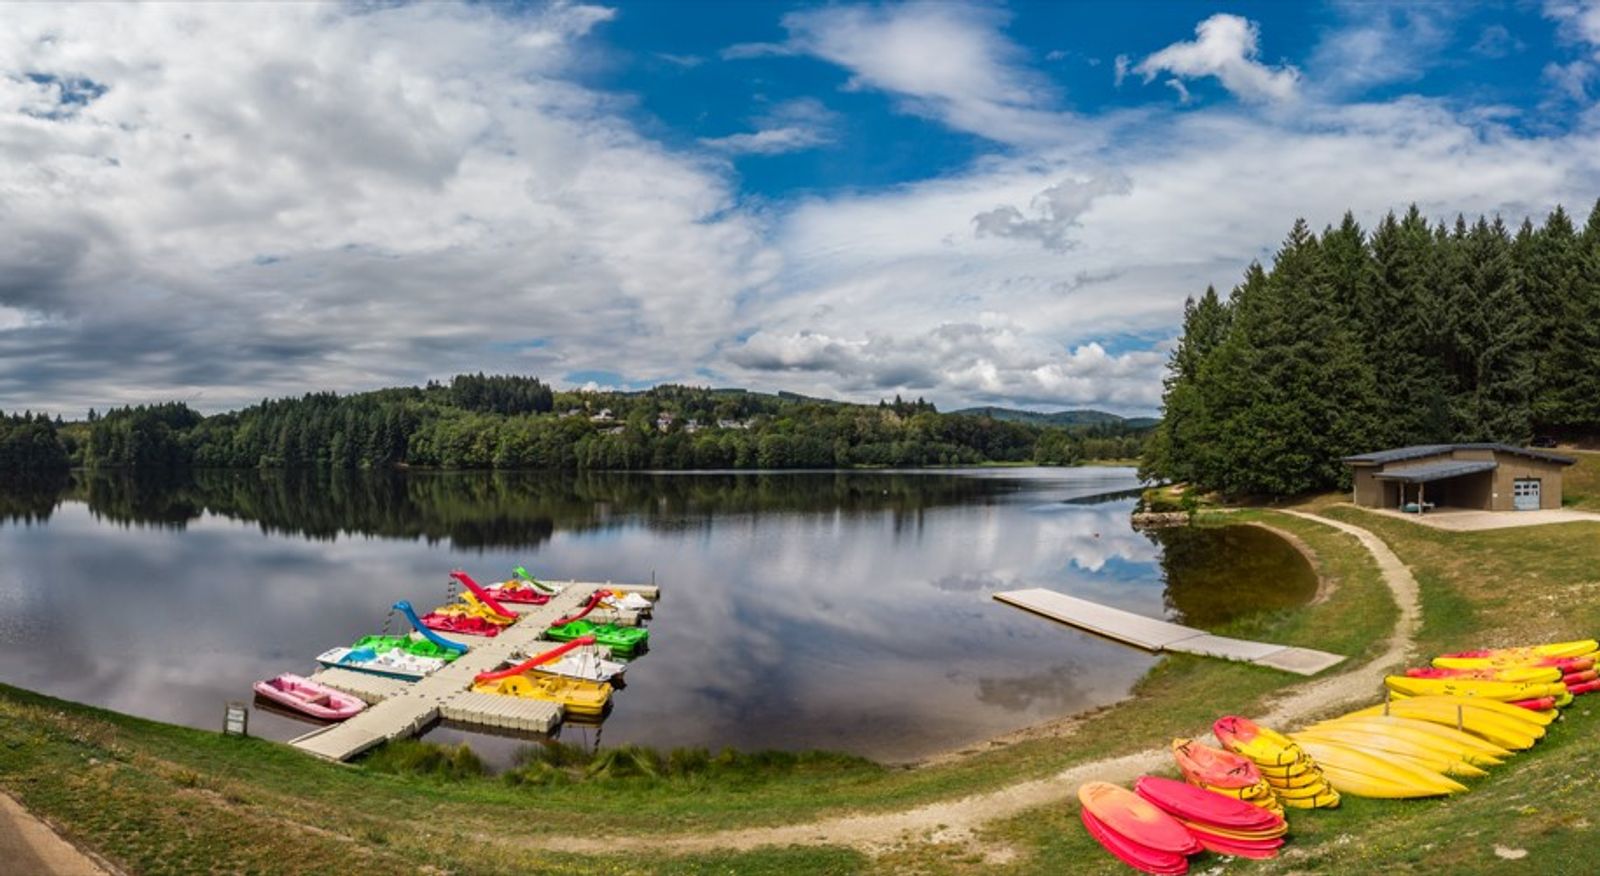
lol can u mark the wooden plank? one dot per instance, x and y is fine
(1103, 620)
(1158, 635)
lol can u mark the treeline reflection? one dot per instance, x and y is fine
(483, 509)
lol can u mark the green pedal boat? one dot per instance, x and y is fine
(623, 641)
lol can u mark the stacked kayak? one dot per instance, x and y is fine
(1136, 831)
(1221, 824)
(309, 698)
(1297, 779)
(1225, 773)
(623, 641)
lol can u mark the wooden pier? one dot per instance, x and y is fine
(403, 708)
(1159, 635)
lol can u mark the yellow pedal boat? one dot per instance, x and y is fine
(577, 696)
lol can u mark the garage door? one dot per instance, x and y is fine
(1525, 494)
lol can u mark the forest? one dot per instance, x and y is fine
(476, 421)
(1414, 333)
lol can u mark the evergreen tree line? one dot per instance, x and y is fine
(29, 444)
(1351, 342)
(481, 422)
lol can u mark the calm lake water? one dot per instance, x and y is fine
(848, 611)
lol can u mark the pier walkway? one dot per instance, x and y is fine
(1158, 635)
(405, 709)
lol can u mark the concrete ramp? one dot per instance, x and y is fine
(1159, 635)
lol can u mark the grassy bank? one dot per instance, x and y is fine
(164, 799)
(1580, 486)
(1531, 815)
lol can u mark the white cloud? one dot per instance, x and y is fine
(945, 61)
(1227, 47)
(1579, 19)
(1382, 43)
(271, 198)
(790, 126)
(1054, 212)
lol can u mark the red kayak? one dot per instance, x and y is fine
(1191, 804)
(1538, 704)
(1140, 858)
(1586, 687)
(1258, 850)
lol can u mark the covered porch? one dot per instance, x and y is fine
(1449, 483)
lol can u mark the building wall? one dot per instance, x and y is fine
(1487, 490)
(1513, 468)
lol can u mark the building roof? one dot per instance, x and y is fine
(1400, 454)
(1438, 471)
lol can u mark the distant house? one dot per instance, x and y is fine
(1486, 477)
(603, 417)
(570, 412)
(664, 420)
(692, 426)
(733, 424)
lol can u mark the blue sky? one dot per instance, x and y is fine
(996, 203)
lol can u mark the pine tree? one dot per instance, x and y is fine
(1489, 355)
(1401, 329)
(1570, 402)
(1547, 261)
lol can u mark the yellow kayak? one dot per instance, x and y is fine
(1387, 775)
(1535, 720)
(1502, 731)
(1467, 747)
(1505, 691)
(576, 696)
(1447, 763)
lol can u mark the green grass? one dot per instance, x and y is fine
(164, 799)
(1580, 485)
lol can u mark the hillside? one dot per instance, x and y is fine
(1065, 419)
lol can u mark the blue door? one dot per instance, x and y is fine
(1525, 494)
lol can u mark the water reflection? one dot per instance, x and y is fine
(838, 610)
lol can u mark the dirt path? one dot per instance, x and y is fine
(956, 821)
(28, 845)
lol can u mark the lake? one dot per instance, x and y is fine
(839, 610)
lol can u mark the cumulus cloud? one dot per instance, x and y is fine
(1226, 47)
(789, 126)
(223, 201)
(1052, 213)
(980, 362)
(945, 61)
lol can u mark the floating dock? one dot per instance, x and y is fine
(401, 708)
(1158, 635)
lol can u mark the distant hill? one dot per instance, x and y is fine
(1060, 418)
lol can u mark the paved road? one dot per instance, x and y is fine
(28, 846)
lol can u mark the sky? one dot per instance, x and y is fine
(984, 203)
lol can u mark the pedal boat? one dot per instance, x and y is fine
(623, 641)
(309, 698)
(576, 697)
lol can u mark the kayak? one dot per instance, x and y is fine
(1295, 776)
(1223, 772)
(1384, 775)
(1492, 690)
(1195, 805)
(1534, 674)
(1535, 655)
(1140, 858)
(1446, 740)
(623, 641)
(1135, 818)
(309, 697)
(1507, 733)
(575, 696)
(1366, 739)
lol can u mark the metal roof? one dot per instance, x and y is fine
(1400, 454)
(1438, 471)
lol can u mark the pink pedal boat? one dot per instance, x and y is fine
(309, 698)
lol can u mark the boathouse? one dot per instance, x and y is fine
(1484, 477)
